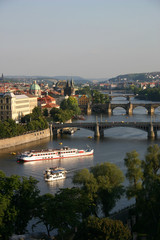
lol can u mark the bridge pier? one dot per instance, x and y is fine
(88, 110)
(151, 133)
(56, 132)
(50, 128)
(97, 132)
(109, 109)
(101, 133)
(129, 110)
(150, 110)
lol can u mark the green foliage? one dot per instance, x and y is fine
(36, 113)
(60, 115)
(151, 94)
(45, 112)
(84, 91)
(32, 122)
(11, 129)
(71, 104)
(17, 203)
(134, 173)
(98, 97)
(69, 207)
(103, 184)
(103, 228)
(148, 194)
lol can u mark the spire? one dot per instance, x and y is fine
(72, 83)
(68, 84)
(2, 78)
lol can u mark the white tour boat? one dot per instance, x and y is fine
(55, 173)
(50, 154)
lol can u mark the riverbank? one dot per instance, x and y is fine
(25, 138)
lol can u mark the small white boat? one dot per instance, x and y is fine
(55, 173)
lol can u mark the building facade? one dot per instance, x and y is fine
(69, 89)
(15, 106)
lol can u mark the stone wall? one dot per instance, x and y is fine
(25, 138)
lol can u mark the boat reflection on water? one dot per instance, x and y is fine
(56, 185)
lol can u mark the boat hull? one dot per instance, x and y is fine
(54, 179)
(31, 159)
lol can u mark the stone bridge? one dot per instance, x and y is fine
(127, 96)
(129, 107)
(99, 127)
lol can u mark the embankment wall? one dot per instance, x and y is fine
(25, 138)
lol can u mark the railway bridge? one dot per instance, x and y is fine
(99, 127)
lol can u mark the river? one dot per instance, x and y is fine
(112, 148)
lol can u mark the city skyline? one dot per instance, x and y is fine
(91, 39)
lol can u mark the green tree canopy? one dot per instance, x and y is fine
(71, 104)
(17, 203)
(134, 173)
(103, 184)
(103, 228)
(148, 194)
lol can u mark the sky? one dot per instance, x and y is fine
(87, 38)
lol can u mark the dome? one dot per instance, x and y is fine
(35, 86)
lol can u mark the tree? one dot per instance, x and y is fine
(134, 173)
(17, 203)
(25, 202)
(148, 194)
(36, 113)
(47, 205)
(69, 207)
(70, 104)
(45, 112)
(103, 228)
(103, 184)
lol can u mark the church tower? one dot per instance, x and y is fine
(69, 89)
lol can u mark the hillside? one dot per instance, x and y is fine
(143, 77)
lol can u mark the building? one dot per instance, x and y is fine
(47, 102)
(35, 89)
(69, 89)
(83, 100)
(15, 106)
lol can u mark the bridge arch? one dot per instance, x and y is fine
(127, 131)
(157, 109)
(143, 109)
(119, 110)
(119, 98)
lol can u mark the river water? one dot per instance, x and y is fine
(112, 148)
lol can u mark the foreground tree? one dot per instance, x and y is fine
(134, 173)
(69, 207)
(103, 228)
(103, 184)
(147, 196)
(17, 203)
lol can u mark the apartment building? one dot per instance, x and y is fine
(15, 106)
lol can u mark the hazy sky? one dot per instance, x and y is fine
(87, 38)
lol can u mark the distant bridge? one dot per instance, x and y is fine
(129, 107)
(125, 95)
(99, 127)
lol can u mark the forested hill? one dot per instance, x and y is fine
(143, 77)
